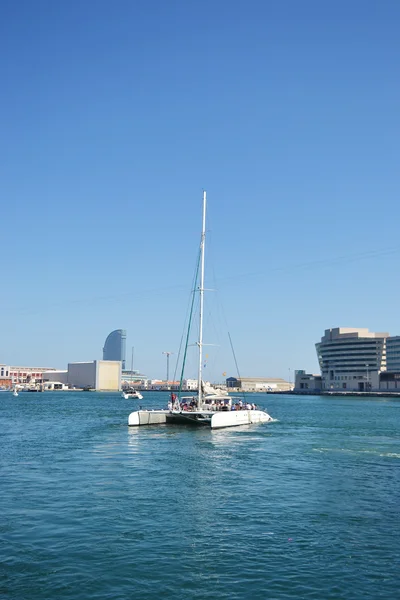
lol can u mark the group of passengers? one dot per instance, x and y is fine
(224, 404)
(240, 405)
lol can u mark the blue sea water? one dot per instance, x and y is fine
(305, 507)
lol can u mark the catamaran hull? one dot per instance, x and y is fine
(147, 417)
(235, 418)
(189, 418)
(215, 420)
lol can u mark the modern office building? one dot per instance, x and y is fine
(393, 354)
(115, 346)
(351, 359)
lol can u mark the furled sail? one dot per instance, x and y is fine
(209, 390)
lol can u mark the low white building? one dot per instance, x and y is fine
(100, 375)
(307, 382)
(54, 385)
(162, 385)
(190, 384)
(259, 384)
(6, 381)
(56, 376)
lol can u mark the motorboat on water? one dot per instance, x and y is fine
(8, 390)
(127, 394)
(210, 407)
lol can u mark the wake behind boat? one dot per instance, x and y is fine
(211, 407)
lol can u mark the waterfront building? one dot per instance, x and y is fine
(132, 378)
(28, 374)
(4, 370)
(188, 385)
(5, 377)
(99, 375)
(307, 382)
(51, 386)
(162, 385)
(389, 382)
(390, 379)
(351, 359)
(259, 384)
(393, 354)
(115, 346)
(55, 377)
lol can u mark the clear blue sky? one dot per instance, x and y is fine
(115, 115)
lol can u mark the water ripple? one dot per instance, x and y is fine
(306, 507)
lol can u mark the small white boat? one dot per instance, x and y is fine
(15, 393)
(132, 394)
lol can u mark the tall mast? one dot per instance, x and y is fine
(201, 290)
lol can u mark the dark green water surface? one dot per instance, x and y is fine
(306, 507)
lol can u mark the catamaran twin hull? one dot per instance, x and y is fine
(212, 419)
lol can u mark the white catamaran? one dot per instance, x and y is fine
(212, 407)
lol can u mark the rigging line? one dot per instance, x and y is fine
(189, 325)
(234, 357)
(344, 259)
(217, 317)
(188, 311)
(221, 314)
(25, 309)
(32, 310)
